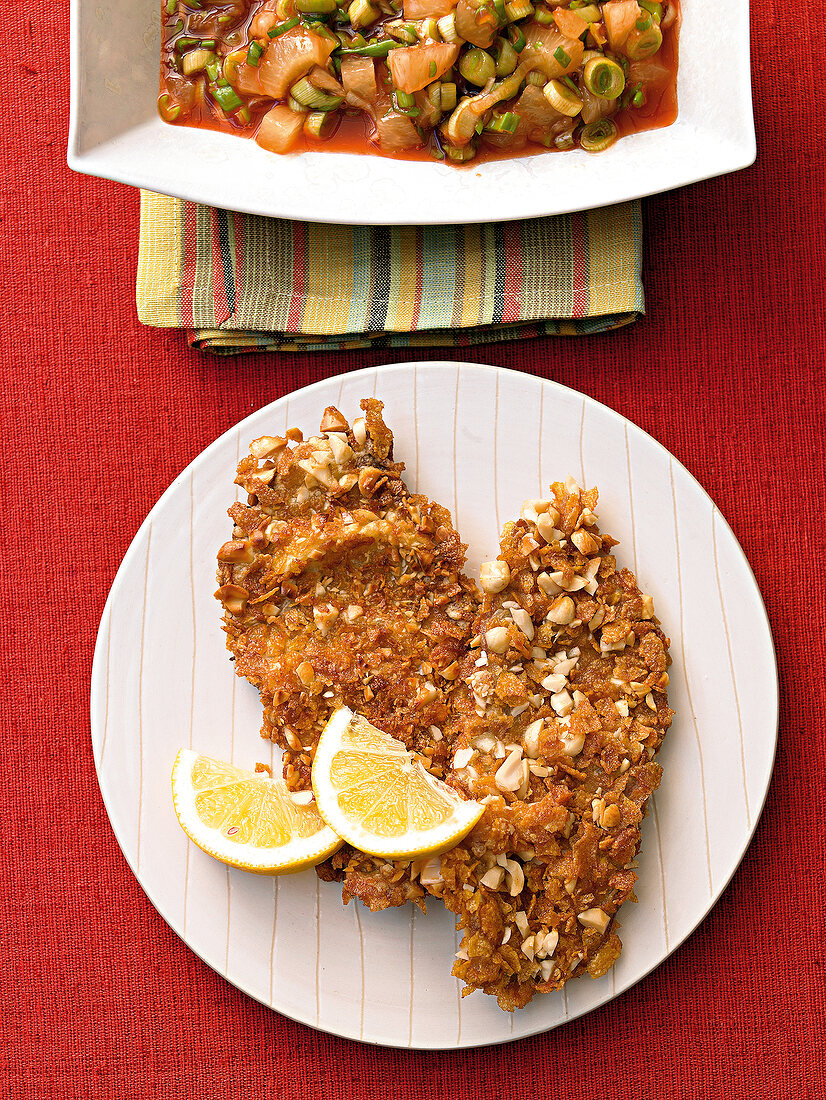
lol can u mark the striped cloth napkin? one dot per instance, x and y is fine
(240, 283)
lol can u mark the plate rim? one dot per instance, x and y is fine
(94, 163)
(97, 678)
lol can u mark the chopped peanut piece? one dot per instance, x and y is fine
(597, 919)
(494, 576)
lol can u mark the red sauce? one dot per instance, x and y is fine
(354, 132)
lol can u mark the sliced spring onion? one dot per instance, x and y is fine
(282, 28)
(505, 57)
(254, 54)
(402, 32)
(320, 124)
(638, 98)
(171, 7)
(536, 78)
(597, 136)
(565, 141)
(447, 27)
(317, 100)
(560, 55)
(604, 77)
(544, 16)
(461, 125)
(429, 28)
(432, 69)
(517, 38)
(227, 98)
(208, 43)
(294, 105)
(460, 154)
(562, 99)
(404, 100)
(448, 96)
(243, 115)
(518, 9)
(184, 44)
(231, 63)
(642, 44)
(373, 49)
(310, 7)
(324, 32)
(434, 96)
(589, 12)
(477, 67)
(362, 13)
(196, 60)
(213, 71)
(653, 7)
(501, 14)
(168, 110)
(503, 124)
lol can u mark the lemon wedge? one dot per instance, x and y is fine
(378, 797)
(247, 819)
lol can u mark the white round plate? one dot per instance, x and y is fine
(480, 440)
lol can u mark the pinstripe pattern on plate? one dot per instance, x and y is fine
(480, 439)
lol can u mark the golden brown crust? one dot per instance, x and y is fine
(545, 695)
(568, 684)
(341, 588)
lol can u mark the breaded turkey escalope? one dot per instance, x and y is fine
(342, 588)
(543, 695)
(567, 682)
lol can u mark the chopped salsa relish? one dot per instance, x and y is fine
(457, 80)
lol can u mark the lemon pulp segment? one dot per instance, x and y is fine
(248, 819)
(379, 797)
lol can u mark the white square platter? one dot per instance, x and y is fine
(115, 133)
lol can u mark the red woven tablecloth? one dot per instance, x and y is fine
(101, 998)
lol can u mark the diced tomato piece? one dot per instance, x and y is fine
(422, 9)
(396, 131)
(570, 23)
(415, 67)
(289, 57)
(358, 75)
(476, 22)
(550, 49)
(280, 128)
(620, 17)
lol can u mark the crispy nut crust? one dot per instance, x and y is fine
(544, 694)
